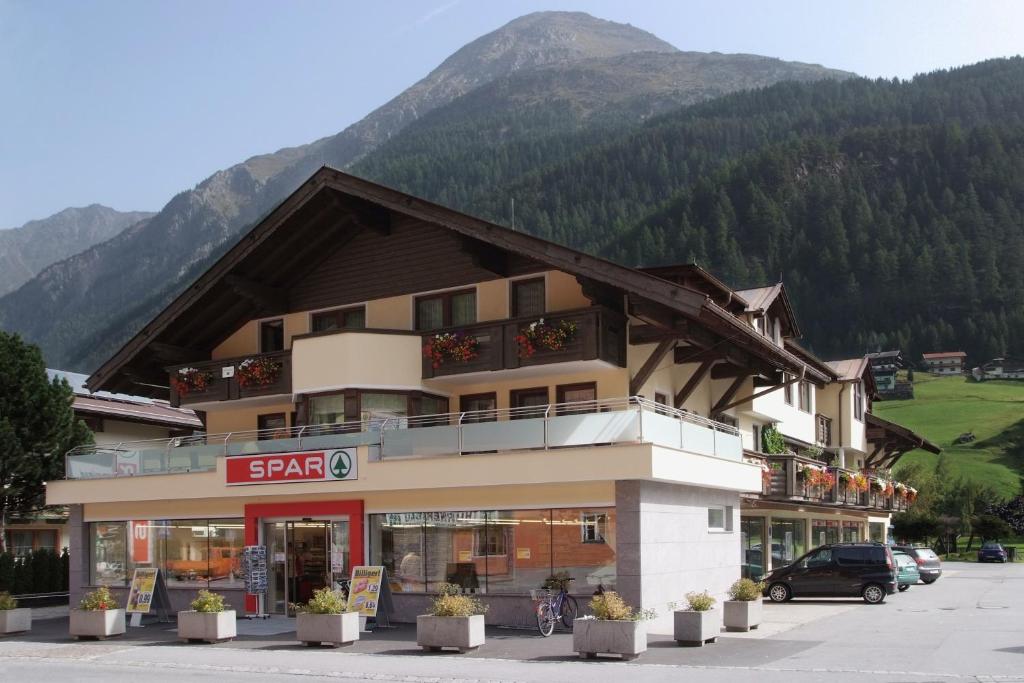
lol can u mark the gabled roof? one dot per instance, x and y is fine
(853, 370)
(810, 358)
(907, 439)
(694, 277)
(124, 406)
(761, 299)
(314, 219)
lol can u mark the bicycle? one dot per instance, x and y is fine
(554, 607)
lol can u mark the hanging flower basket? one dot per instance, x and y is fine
(877, 486)
(859, 482)
(258, 372)
(815, 475)
(189, 380)
(843, 478)
(911, 494)
(541, 335)
(450, 346)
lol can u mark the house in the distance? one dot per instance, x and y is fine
(945, 362)
(1000, 368)
(114, 419)
(884, 366)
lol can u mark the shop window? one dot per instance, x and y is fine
(824, 531)
(490, 540)
(449, 539)
(528, 298)
(480, 406)
(583, 545)
(787, 541)
(226, 543)
(272, 426)
(529, 402)
(585, 393)
(752, 559)
(339, 319)
(448, 309)
(108, 553)
(271, 336)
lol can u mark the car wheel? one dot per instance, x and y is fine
(779, 592)
(873, 594)
(928, 582)
(904, 586)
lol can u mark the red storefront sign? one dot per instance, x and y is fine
(140, 542)
(305, 466)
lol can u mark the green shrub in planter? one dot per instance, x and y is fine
(13, 619)
(450, 602)
(743, 608)
(454, 621)
(324, 601)
(99, 599)
(7, 602)
(208, 602)
(746, 590)
(700, 602)
(616, 628)
(326, 619)
(98, 616)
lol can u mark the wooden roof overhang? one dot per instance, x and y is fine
(251, 280)
(890, 441)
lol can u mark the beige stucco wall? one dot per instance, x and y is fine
(356, 359)
(792, 421)
(611, 382)
(661, 380)
(393, 313)
(563, 292)
(836, 402)
(246, 340)
(241, 416)
(700, 400)
(492, 300)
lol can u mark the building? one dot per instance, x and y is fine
(390, 382)
(885, 366)
(113, 419)
(1000, 368)
(945, 363)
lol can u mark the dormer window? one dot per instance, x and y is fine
(759, 323)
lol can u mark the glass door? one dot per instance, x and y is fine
(277, 562)
(304, 556)
(341, 567)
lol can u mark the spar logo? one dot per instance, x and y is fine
(304, 466)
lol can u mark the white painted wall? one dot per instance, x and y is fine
(792, 421)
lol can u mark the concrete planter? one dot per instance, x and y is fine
(335, 629)
(15, 620)
(99, 624)
(460, 633)
(696, 628)
(742, 615)
(591, 637)
(208, 627)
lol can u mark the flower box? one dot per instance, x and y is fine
(209, 627)
(335, 629)
(591, 637)
(99, 623)
(694, 628)
(15, 620)
(459, 633)
(742, 615)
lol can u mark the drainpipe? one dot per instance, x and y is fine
(842, 388)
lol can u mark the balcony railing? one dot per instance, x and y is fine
(781, 481)
(224, 384)
(586, 423)
(600, 335)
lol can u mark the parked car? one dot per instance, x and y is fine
(991, 552)
(907, 573)
(928, 563)
(834, 571)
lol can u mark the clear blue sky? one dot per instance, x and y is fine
(126, 103)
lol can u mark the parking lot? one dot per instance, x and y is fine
(966, 626)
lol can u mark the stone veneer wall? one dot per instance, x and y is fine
(664, 549)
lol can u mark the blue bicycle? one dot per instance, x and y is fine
(553, 607)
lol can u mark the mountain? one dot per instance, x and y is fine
(26, 250)
(82, 309)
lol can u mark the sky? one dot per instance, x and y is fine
(126, 103)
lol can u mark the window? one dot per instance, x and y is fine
(272, 426)
(528, 298)
(384, 405)
(787, 390)
(824, 531)
(788, 542)
(490, 540)
(339, 319)
(271, 336)
(529, 398)
(325, 410)
(720, 518)
(822, 558)
(448, 309)
(759, 322)
(858, 400)
(752, 560)
(577, 393)
(805, 396)
(481, 405)
(592, 527)
(660, 398)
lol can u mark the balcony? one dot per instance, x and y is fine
(225, 380)
(782, 480)
(600, 334)
(555, 426)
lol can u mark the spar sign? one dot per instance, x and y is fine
(304, 466)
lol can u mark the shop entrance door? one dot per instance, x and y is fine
(304, 555)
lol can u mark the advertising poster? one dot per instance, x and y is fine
(140, 596)
(364, 590)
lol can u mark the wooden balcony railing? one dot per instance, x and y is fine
(782, 481)
(223, 380)
(600, 335)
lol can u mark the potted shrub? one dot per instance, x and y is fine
(325, 619)
(97, 616)
(615, 628)
(207, 621)
(699, 623)
(455, 621)
(743, 608)
(13, 619)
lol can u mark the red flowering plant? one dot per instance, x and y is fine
(889, 489)
(911, 494)
(859, 482)
(453, 346)
(542, 335)
(258, 372)
(98, 600)
(188, 380)
(843, 478)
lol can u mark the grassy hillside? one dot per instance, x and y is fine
(945, 407)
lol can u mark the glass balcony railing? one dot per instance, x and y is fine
(587, 423)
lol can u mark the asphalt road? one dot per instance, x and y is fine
(968, 626)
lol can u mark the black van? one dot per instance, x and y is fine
(836, 571)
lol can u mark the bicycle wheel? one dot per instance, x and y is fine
(545, 619)
(569, 610)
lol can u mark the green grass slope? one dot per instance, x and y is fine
(945, 407)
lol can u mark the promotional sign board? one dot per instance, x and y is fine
(140, 596)
(254, 569)
(364, 590)
(302, 466)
